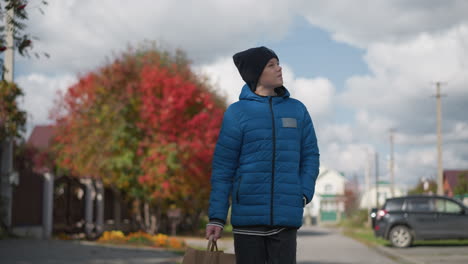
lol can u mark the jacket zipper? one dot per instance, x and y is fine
(238, 188)
(273, 161)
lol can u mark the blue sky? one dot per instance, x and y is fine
(312, 52)
(361, 67)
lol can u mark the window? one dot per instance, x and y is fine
(394, 205)
(446, 206)
(440, 205)
(328, 188)
(451, 207)
(420, 205)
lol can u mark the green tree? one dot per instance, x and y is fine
(23, 40)
(419, 188)
(146, 124)
(462, 185)
(12, 118)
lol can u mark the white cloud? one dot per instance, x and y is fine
(398, 91)
(369, 21)
(40, 91)
(408, 44)
(457, 133)
(335, 133)
(223, 76)
(350, 158)
(317, 94)
(79, 35)
(422, 162)
(372, 127)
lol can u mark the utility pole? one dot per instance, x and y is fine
(6, 147)
(392, 173)
(377, 179)
(367, 184)
(9, 41)
(440, 180)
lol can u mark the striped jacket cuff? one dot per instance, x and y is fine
(216, 222)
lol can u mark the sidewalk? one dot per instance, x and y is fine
(427, 254)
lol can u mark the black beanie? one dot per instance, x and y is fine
(251, 63)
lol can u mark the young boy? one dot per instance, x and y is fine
(266, 160)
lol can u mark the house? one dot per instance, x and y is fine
(328, 204)
(383, 191)
(30, 199)
(451, 180)
(45, 203)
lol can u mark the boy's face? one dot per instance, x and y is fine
(272, 75)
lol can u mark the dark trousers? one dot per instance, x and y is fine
(275, 249)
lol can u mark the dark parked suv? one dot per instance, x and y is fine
(405, 219)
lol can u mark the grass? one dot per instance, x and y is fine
(365, 236)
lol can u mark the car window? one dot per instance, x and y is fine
(394, 205)
(420, 205)
(440, 205)
(452, 207)
(447, 206)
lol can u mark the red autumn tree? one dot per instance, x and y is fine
(187, 117)
(146, 124)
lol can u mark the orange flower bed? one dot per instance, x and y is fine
(142, 239)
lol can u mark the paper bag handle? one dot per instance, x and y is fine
(212, 246)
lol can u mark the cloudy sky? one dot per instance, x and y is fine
(361, 67)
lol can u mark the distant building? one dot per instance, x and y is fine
(369, 197)
(32, 210)
(328, 203)
(41, 136)
(45, 203)
(451, 180)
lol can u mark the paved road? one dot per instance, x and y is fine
(317, 245)
(25, 251)
(325, 246)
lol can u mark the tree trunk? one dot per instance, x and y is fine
(195, 219)
(146, 217)
(153, 223)
(137, 214)
(117, 209)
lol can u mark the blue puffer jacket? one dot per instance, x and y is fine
(266, 159)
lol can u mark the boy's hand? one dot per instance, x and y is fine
(214, 231)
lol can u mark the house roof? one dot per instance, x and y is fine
(383, 182)
(324, 171)
(451, 176)
(41, 136)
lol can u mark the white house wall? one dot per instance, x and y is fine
(369, 197)
(331, 178)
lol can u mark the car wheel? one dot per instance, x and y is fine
(400, 236)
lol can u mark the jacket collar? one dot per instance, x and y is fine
(247, 94)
